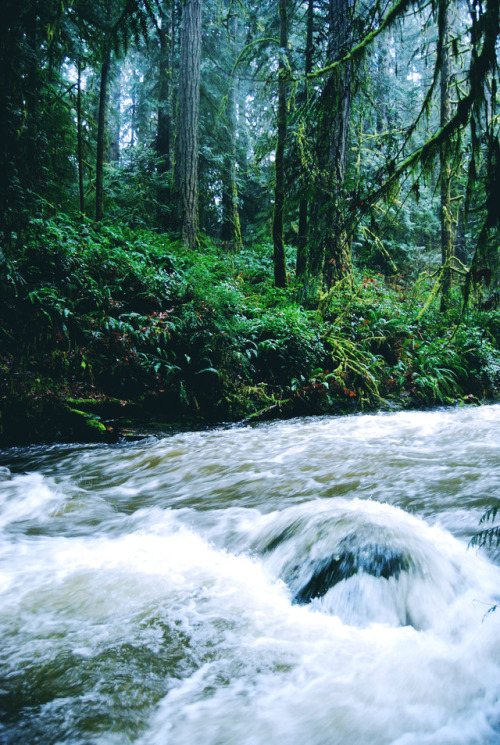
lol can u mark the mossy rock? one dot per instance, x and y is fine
(88, 421)
(31, 419)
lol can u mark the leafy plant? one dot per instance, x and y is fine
(489, 536)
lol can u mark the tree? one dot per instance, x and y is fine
(107, 26)
(103, 101)
(302, 253)
(165, 29)
(279, 189)
(186, 144)
(230, 223)
(36, 141)
(330, 257)
(445, 112)
(79, 129)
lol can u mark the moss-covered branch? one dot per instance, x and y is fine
(395, 12)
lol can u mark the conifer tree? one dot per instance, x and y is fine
(445, 177)
(330, 253)
(186, 144)
(304, 208)
(230, 222)
(279, 189)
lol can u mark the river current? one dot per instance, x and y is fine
(306, 582)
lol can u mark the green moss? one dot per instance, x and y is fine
(89, 420)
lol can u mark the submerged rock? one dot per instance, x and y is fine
(5, 474)
(371, 558)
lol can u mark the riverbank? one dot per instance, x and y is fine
(106, 331)
(52, 418)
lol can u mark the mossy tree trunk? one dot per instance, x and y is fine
(446, 227)
(330, 250)
(231, 227)
(164, 123)
(279, 188)
(79, 135)
(302, 254)
(114, 122)
(101, 131)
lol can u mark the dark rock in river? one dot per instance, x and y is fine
(371, 558)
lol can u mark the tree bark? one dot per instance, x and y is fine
(164, 127)
(231, 227)
(446, 228)
(101, 132)
(80, 137)
(302, 254)
(279, 190)
(186, 146)
(331, 251)
(114, 123)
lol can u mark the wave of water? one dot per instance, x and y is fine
(305, 582)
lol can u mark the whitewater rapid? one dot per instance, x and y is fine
(305, 582)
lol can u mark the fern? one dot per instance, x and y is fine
(488, 537)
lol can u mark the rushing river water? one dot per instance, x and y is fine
(295, 583)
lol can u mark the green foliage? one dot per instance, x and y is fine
(135, 190)
(130, 314)
(436, 359)
(489, 537)
(105, 310)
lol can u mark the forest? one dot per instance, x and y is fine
(216, 211)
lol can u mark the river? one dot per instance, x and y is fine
(306, 582)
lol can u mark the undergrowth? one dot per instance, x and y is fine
(101, 311)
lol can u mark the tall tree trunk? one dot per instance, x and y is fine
(114, 122)
(279, 189)
(79, 135)
(446, 229)
(331, 251)
(186, 145)
(101, 132)
(301, 265)
(382, 84)
(231, 227)
(164, 133)
(133, 108)
(29, 132)
(164, 127)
